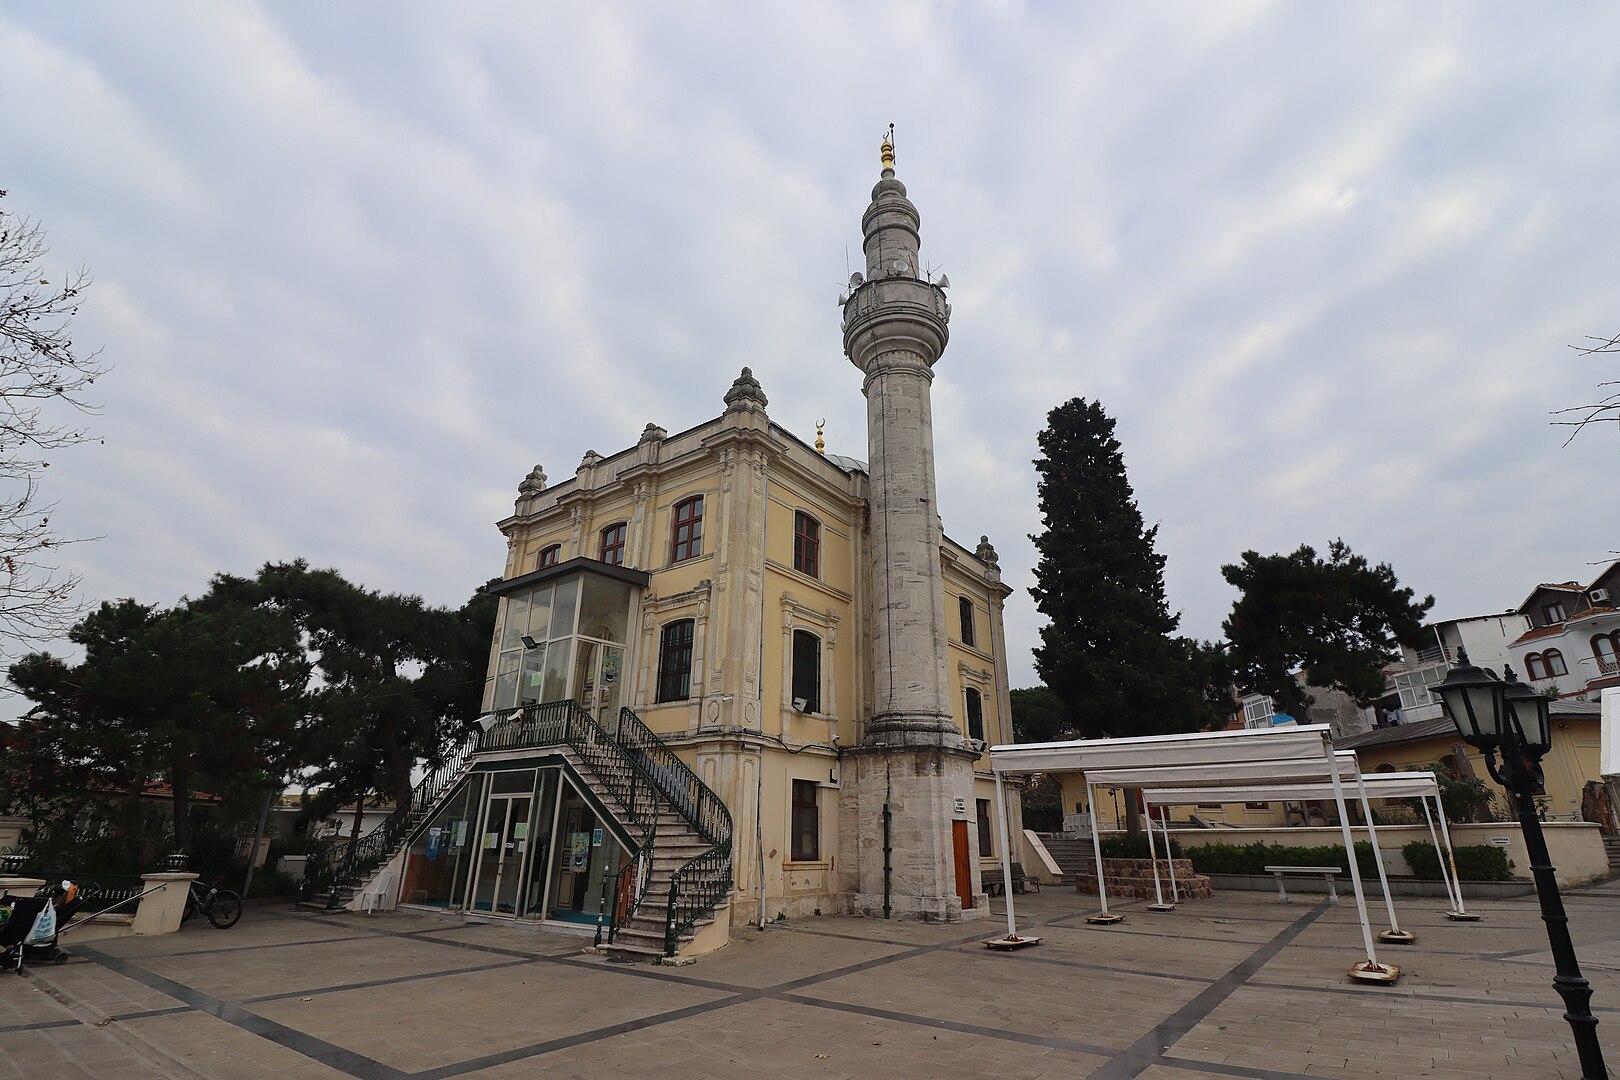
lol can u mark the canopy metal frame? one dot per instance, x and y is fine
(1202, 760)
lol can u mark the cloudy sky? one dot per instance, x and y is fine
(359, 267)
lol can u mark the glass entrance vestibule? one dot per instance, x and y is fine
(517, 843)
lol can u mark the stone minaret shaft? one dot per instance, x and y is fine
(895, 328)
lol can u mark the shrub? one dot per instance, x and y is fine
(1135, 846)
(1254, 858)
(1475, 862)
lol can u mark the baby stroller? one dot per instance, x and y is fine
(30, 925)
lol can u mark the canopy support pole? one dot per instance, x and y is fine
(1164, 829)
(1368, 970)
(1394, 935)
(1462, 914)
(1439, 853)
(1153, 861)
(1105, 917)
(1006, 857)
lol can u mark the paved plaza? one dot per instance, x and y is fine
(1237, 986)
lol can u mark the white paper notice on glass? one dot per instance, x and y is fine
(490, 840)
(461, 834)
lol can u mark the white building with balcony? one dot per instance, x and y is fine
(1572, 643)
(1488, 640)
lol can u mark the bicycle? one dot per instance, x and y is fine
(222, 907)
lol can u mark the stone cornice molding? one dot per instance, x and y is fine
(801, 578)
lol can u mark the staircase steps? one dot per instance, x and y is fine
(1072, 853)
(1611, 846)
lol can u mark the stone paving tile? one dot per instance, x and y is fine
(772, 1038)
(440, 1021)
(877, 998)
(105, 992)
(23, 1003)
(1013, 996)
(214, 1048)
(295, 967)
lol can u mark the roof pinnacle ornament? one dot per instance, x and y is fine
(886, 152)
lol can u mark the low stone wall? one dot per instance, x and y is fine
(1133, 879)
(1576, 847)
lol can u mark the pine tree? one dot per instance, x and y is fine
(1109, 650)
(1336, 620)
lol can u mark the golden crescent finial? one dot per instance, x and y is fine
(887, 152)
(821, 444)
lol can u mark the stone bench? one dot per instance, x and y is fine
(992, 881)
(1326, 873)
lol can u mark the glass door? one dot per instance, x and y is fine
(501, 856)
(597, 684)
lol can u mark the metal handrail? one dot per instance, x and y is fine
(361, 856)
(703, 882)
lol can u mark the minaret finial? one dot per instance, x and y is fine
(821, 444)
(887, 152)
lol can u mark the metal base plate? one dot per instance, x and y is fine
(1006, 943)
(1101, 919)
(1161, 907)
(1397, 937)
(1462, 916)
(1366, 971)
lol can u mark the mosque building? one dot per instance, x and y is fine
(735, 676)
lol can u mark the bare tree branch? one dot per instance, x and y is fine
(40, 370)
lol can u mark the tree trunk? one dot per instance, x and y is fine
(359, 812)
(1133, 810)
(180, 781)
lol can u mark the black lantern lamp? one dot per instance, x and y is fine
(1504, 714)
(1473, 698)
(1531, 715)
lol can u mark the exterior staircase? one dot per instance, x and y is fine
(1611, 845)
(679, 879)
(1072, 853)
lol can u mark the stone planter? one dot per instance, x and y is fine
(1133, 879)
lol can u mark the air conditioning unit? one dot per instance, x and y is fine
(976, 745)
(1599, 596)
(799, 703)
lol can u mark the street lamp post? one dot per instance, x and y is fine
(1494, 714)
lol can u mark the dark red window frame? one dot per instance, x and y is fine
(612, 549)
(1553, 671)
(806, 544)
(686, 534)
(548, 556)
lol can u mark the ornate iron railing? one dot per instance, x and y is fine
(347, 861)
(703, 882)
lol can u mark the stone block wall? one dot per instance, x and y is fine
(1133, 879)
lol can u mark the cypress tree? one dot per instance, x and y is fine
(1109, 650)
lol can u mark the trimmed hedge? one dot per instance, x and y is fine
(1254, 858)
(1475, 862)
(1135, 846)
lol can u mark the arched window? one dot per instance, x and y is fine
(806, 672)
(806, 544)
(548, 557)
(1385, 767)
(1553, 660)
(1534, 667)
(1606, 647)
(612, 548)
(675, 661)
(964, 607)
(975, 715)
(686, 539)
(1448, 765)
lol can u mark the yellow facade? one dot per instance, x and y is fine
(739, 727)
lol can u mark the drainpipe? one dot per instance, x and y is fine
(759, 828)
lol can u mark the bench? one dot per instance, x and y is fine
(993, 883)
(1326, 873)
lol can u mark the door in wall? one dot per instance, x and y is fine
(964, 867)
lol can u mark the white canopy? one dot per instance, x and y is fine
(1145, 753)
(1409, 785)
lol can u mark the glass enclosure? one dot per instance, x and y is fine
(519, 843)
(564, 639)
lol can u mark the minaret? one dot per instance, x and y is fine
(894, 331)
(905, 790)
